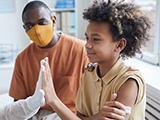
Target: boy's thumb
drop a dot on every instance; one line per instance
(114, 96)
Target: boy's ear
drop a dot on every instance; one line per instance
(121, 44)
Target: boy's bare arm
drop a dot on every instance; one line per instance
(127, 94)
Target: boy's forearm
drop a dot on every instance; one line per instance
(63, 112)
(83, 117)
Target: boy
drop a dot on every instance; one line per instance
(116, 30)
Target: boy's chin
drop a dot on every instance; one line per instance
(93, 60)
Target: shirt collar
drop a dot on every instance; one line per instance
(112, 73)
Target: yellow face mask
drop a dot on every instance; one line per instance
(41, 34)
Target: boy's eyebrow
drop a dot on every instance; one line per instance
(95, 34)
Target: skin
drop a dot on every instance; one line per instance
(40, 16)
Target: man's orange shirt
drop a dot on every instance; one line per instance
(66, 59)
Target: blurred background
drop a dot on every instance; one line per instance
(69, 20)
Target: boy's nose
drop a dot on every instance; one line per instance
(88, 45)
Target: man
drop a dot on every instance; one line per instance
(66, 55)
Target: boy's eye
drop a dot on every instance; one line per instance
(96, 39)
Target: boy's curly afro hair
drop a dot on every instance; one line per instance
(125, 20)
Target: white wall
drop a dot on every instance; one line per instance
(150, 72)
(11, 32)
(50, 3)
(81, 23)
(11, 26)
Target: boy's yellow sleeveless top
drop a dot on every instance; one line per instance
(94, 91)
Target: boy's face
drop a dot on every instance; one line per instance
(100, 46)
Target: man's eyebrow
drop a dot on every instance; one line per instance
(28, 23)
(43, 19)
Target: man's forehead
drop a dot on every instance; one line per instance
(37, 13)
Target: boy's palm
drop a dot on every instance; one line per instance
(48, 86)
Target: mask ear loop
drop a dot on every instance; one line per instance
(53, 16)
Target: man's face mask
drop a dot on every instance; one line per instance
(41, 34)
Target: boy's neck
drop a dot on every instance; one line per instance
(105, 67)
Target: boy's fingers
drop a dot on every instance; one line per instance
(48, 68)
(115, 104)
(118, 111)
(114, 96)
(114, 116)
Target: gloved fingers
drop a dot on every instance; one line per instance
(36, 101)
(41, 96)
(40, 78)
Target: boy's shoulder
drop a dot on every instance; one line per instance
(133, 73)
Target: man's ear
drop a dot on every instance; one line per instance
(121, 44)
(53, 17)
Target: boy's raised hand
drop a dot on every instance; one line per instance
(47, 83)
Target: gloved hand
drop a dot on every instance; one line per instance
(25, 108)
(38, 100)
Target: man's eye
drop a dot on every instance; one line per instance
(86, 38)
(27, 26)
(44, 22)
